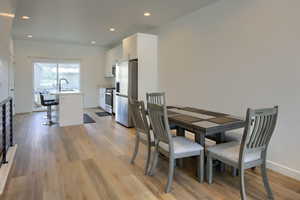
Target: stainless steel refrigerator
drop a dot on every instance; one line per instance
(126, 88)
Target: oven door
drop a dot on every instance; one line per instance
(108, 102)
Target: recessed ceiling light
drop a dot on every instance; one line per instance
(147, 14)
(25, 17)
(93, 42)
(29, 36)
(11, 15)
(112, 29)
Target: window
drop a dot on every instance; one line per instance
(48, 76)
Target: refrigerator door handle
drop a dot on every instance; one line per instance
(121, 95)
(118, 87)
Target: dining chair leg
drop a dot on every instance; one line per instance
(171, 174)
(200, 167)
(136, 148)
(242, 184)
(154, 162)
(209, 169)
(148, 159)
(266, 180)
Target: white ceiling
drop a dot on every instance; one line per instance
(81, 21)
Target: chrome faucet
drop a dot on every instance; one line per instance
(62, 79)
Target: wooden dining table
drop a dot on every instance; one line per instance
(203, 123)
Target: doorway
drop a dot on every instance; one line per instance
(52, 76)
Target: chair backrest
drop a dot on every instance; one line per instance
(260, 125)
(42, 98)
(156, 98)
(159, 122)
(138, 115)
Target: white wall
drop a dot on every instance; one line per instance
(236, 54)
(6, 52)
(92, 69)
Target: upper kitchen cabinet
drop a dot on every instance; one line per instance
(130, 47)
(112, 56)
(144, 48)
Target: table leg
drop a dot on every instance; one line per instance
(200, 139)
(220, 138)
(180, 132)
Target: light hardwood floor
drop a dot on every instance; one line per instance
(91, 162)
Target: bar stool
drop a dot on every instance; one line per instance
(48, 104)
(45, 92)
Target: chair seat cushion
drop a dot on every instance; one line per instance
(230, 151)
(50, 100)
(50, 103)
(183, 147)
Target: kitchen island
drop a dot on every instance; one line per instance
(70, 108)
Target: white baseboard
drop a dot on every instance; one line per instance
(284, 170)
(87, 107)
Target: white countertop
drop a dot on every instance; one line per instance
(66, 92)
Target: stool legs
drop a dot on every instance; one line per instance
(49, 117)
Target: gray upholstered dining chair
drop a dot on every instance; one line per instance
(252, 150)
(160, 99)
(236, 137)
(233, 136)
(156, 98)
(172, 147)
(143, 133)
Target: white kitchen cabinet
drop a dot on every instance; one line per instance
(112, 56)
(109, 63)
(102, 98)
(70, 108)
(130, 46)
(144, 48)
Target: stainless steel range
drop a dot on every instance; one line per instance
(109, 100)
